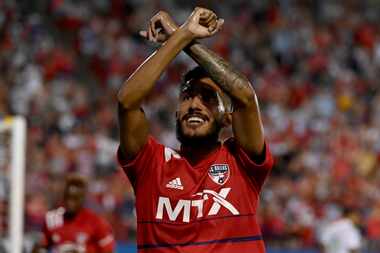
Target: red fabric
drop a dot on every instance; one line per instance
(373, 228)
(57, 62)
(86, 231)
(180, 224)
(365, 36)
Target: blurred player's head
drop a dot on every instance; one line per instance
(204, 109)
(74, 194)
(351, 214)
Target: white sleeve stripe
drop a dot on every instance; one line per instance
(106, 240)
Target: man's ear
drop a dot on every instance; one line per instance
(227, 119)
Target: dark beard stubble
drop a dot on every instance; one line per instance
(198, 141)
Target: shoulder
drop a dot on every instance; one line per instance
(89, 214)
(340, 227)
(151, 149)
(264, 160)
(349, 226)
(93, 217)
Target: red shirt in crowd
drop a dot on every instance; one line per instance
(210, 207)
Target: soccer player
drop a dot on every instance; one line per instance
(73, 228)
(202, 198)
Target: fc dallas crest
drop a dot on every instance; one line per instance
(219, 173)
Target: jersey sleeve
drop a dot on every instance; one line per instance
(143, 161)
(104, 237)
(258, 172)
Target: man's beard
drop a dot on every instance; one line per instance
(212, 136)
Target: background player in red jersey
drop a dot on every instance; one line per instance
(73, 228)
(202, 198)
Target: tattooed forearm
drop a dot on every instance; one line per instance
(229, 79)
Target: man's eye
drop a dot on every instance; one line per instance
(209, 98)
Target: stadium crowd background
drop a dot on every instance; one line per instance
(315, 66)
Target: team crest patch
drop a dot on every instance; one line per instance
(219, 173)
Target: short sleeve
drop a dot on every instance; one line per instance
(258, 172)
(104, 237)
(143, 161)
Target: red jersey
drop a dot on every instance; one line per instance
(210, 207)
(86, 232)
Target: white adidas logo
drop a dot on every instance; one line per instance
(175, 184)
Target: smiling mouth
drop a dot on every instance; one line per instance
(195, 119)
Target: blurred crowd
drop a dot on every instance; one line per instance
(315, 66)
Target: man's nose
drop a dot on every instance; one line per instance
(196, 102)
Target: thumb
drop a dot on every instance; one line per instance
(143, 34)
(221, 22)
(218, 27)
(197, 15)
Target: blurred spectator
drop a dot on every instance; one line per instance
(341, 235)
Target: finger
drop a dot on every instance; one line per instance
(218, 27)
(171, 27)
(213, 18)
(156, 23)
(153, 28)
(198, 14)
(150, 35)
(143, 34)
(210, 18)
(220, 23)
(213, 25)
(152, 32)
(161, 37)
(195, 13)
(205, 14)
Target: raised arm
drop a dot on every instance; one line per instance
(134, 126)
(246, 121)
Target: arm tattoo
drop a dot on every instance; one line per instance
(230, 80)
